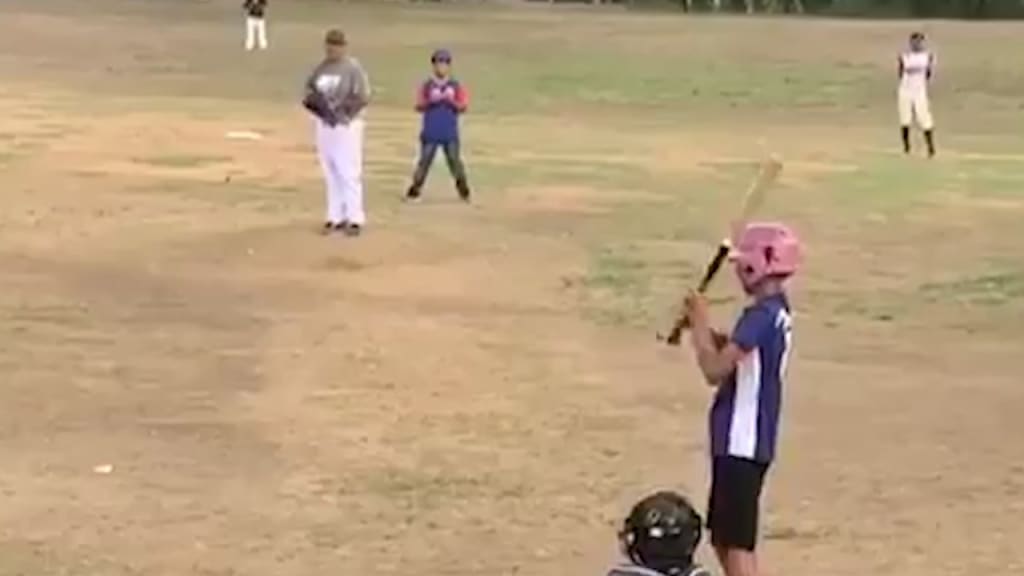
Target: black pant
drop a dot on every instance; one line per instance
(735, 502)
(451, 154)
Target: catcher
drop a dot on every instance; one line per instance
(747, 369)
(336, 93)
(659, 537)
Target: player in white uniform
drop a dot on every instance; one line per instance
(915, 70)
(255, 24)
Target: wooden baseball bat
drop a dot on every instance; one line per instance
(752, 200)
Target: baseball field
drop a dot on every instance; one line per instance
(193, 381)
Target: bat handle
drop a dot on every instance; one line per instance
(675, 336)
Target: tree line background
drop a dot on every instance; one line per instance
(878, 8)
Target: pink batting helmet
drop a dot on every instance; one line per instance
(763, 250)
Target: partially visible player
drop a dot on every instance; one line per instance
(747, 368)
(255, 24)
(916, 66)
(659, 537)
(441, 100)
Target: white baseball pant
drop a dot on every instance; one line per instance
(255, 33)
(914, 105)
(341, 156)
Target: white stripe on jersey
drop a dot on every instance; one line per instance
(746, 404)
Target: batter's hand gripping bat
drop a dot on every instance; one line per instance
(753, 199)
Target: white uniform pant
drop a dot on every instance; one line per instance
(341, 157)
(255, 33)
(914, 105)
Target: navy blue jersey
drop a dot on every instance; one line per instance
(744, 419)
(441, 101)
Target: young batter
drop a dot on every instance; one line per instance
(659, 537)
(441, 100)
(915, 70)
(747, 368)
(336, 93)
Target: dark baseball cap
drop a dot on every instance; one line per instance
(441, 55)
(335, 37)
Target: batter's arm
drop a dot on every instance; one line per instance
(716, 361)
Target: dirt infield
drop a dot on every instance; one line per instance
(472, 390)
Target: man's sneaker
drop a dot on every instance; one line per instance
(353, 230)
(341, 226)
(327, 228)
(412, 194)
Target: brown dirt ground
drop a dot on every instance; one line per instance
(428, 400)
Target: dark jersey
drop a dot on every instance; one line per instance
(255, 8)
(744, 419)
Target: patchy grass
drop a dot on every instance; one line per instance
(994, 289)
(182, 160)
(618, 287)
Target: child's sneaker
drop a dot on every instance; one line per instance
(463, 187)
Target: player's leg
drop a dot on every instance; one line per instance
(733, 513)
(427, 152)
(351, 164)
(261, 30)
(923, 113)
(250, 33)
(326, 142)
(457, 168)
(905, 105)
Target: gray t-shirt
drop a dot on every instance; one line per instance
(344, 85)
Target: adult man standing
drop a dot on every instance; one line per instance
(336, 93)
(255, 24)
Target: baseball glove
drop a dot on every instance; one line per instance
(318, 105)
(352, 105)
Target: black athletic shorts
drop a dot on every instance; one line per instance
(735, 501)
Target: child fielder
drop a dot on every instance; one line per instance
(441, 100)
(255, 24)
(915, 71)
(747, 370)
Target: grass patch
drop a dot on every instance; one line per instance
(994, 180)
(890, 184)
(617, 287)
(182, 160)
(994, 289)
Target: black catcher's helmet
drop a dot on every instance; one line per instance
(661, 533)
